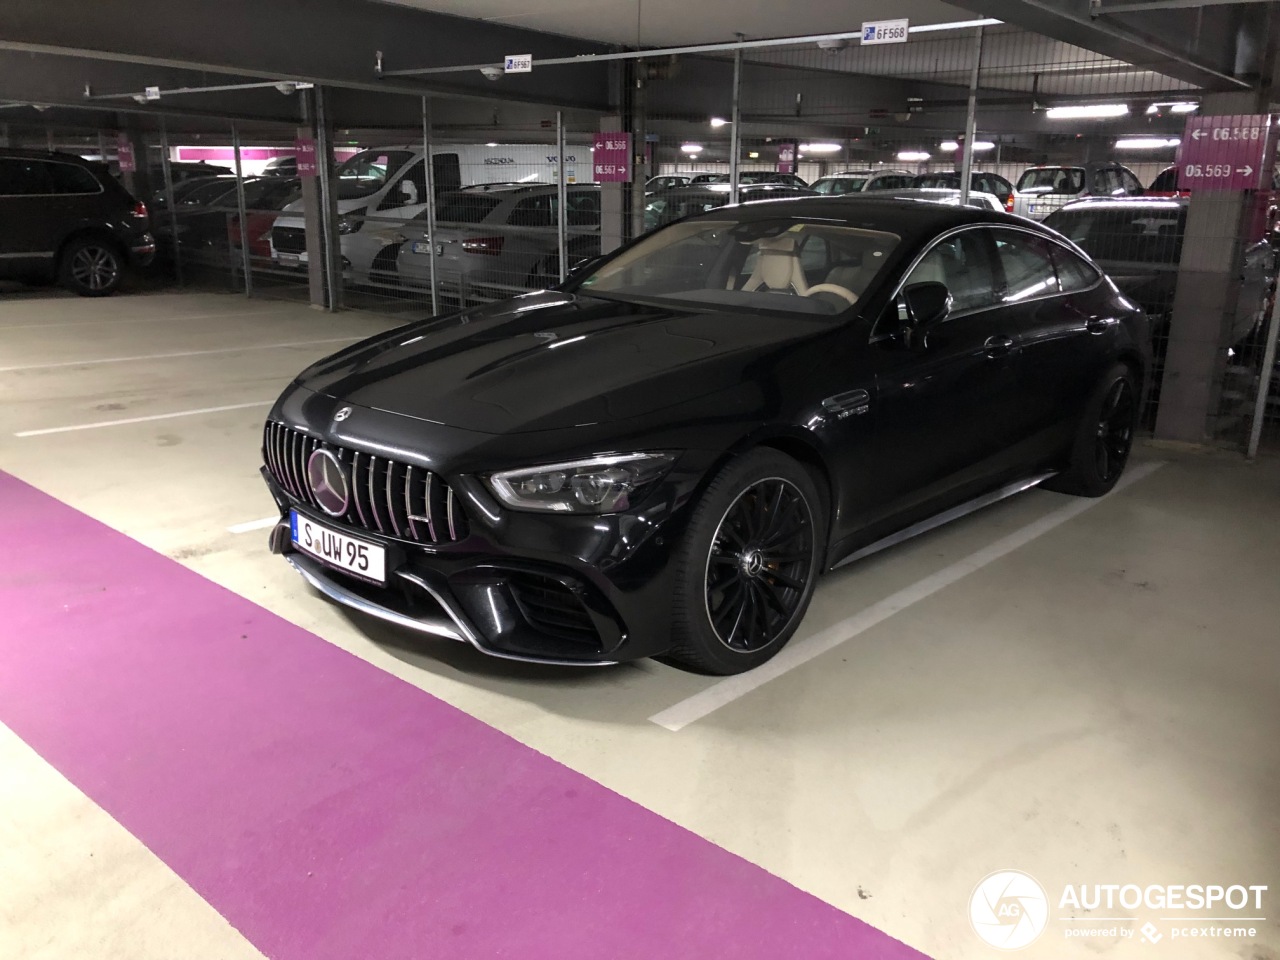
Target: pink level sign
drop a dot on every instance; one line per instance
(1225, 153)
(611, 157)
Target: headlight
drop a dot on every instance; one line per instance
(349, 225)
(605, 484)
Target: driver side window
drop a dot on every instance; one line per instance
(963, 262)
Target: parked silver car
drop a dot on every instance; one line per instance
(860, 181)
(1042, 190)
(496, 244)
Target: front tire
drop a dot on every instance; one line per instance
(748, 564)
(1104, 438)
(92, 267)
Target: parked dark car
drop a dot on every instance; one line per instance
(979, 180)
(1138, 242)
(65, 218)
(203, 214)
(752, 177)
(661, 456)
(669, 205)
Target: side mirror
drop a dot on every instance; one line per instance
(409, 190)
(926, 303)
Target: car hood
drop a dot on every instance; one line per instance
(548, 361)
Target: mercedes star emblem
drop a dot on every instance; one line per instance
(342, 415)
(328, 482)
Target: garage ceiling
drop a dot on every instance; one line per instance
(678, 22)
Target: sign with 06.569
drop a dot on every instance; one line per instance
(1225, 153)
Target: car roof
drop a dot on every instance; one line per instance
(44, 155)
(865, 173)
(906, 217)
(1127, 203)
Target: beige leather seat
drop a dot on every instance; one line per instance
(778, 268)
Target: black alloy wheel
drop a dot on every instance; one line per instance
(92, 267)
(747, 564)
(759, 565)
(1115, 431)
(1104, 438)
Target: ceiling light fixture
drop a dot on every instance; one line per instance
(820, 148)
(1088, 111)
(691, 148)
(718, 122)
(979, 146)
(1147, 143)
(913, 156)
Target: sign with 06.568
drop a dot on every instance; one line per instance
(1225, 153)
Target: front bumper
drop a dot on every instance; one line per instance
(555, 589)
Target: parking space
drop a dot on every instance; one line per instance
(1001, 692)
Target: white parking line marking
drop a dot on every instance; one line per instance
(114, 322)
(799, 652)
(186, 353)
(156, 416)
(252, 525)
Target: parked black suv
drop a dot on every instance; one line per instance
(64, 218)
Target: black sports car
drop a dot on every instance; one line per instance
(663, 455)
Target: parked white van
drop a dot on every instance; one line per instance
(381, 188)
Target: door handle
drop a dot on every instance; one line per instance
(998, 346)
(1098, 324)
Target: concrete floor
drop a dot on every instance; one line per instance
(1085, 691)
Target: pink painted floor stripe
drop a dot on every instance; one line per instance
(330, 810)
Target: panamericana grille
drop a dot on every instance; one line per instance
(289, 239)
(388, 497)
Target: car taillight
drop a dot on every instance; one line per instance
(140, 210)
(491, 246)
(1008, 204)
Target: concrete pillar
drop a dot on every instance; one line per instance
(311, 214)
(1205, 302)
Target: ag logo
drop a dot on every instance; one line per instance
(1009, 909)
(342, 414)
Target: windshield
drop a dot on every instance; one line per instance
(366, 173)
(777, 265)
(1149, 234)
(1064, 180)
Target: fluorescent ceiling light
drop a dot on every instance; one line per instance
(820, 147)
(979, 146)
(1088, 111)
(913, 155)
(691, 148)
(718, 122)
(1147, 143)
(955, 25)
(1187, 107)
(490, 144)
(753, 155)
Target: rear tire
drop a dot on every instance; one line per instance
(91, 266)
(747, 566)
(1104, 438)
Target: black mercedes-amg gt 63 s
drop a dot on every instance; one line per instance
(662, 456)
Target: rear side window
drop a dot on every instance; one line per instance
(1074, 274)
(532, 212)
(68, 178)
(465, 208)
(1027, 264)
(1060, 180)
(1166, 182)
(21, 177)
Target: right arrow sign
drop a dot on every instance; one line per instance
(1224, 153)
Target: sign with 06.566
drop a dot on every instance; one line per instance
(1224, 153)
(884, 31)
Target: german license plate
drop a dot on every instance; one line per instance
(421, 247)
(289, 259)
(364, 559)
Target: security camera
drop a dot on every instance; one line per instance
(139, 98)
(287, 87)
(832, 45)
(492, 73)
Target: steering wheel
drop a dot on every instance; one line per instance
(835, 288)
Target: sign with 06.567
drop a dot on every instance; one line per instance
(1225, 153)
(884, 31)
(611, 157)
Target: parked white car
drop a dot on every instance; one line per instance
(378, 190)
(1042, 190)
(949, 196)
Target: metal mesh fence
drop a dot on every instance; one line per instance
(1090, 145)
